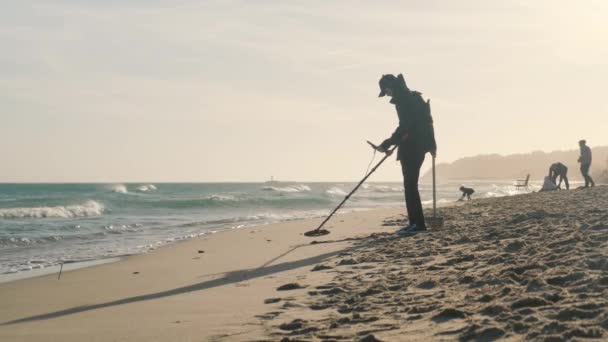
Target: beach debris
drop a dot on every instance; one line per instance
(60, 270)
(136, 272)
(200, 251)
(290, 286)
(271, 300)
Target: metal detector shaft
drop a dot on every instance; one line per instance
(355, 189)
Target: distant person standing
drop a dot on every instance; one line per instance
(466, 192)
(415, 137)
(585, 160)
(561, 170)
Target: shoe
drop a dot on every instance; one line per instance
(411, 229)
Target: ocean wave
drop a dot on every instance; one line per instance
(25, 241)
(335, 191)
(123, 228)
(290, 188)
(224, 198)
(89, 208)
(119, 188)
(146, 188)
(383, 188)
(509, 190)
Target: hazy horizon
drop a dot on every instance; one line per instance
(238, 91)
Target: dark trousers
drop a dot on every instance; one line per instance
(585, 172)
(562, 177)
(410, 167)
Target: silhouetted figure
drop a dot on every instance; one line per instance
(561, 170)
(585, 160)
(466, 192)
(415, 137)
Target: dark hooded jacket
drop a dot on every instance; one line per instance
(415, 133)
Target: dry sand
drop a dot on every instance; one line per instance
(515, 268)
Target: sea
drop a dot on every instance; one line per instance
(46, 225)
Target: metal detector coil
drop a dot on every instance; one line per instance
(317, 232)
(320, 231)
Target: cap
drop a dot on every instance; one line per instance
(387, 80)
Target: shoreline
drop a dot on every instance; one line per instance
(74, 265)
(232, 273)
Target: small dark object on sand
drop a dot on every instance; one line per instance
(135, 272)
(200, 251)
(272, 300)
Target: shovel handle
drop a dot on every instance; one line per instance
(434, 192)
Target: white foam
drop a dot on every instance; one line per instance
(146, 188)
(89, 208)
(216, 197)
(291, 188)
(119, 188)
(384, 188)
(335, 191)
(508, 190)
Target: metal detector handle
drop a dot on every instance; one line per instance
(388, 154)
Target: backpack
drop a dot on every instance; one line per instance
(422, 108)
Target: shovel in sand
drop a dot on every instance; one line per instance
(435, 222)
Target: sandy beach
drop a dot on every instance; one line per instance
(527, 267)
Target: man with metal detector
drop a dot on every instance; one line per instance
(415, 137)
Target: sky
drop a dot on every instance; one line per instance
(242, 90)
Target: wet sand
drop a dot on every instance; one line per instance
(528, 267)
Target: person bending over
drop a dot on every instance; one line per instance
(466, 192)
(561, 170)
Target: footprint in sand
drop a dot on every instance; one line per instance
(448, 314)
(290, 286)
